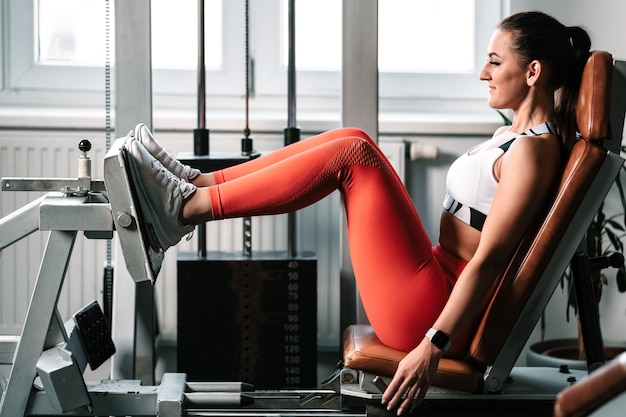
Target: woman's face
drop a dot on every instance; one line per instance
(503, 73)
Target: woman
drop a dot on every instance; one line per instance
(493, 193)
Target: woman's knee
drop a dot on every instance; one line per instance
(343, 133)
(353, 146)
(356, 133)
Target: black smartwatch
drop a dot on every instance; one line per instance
(439, 339)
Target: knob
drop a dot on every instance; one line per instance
(616, 259)
(84, 145)
(611, 259)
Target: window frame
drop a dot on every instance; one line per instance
(3, 36)
(23, 74)
(272, 78)
(450, 86)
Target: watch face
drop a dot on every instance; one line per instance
(440, 339)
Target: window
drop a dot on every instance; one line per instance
(425, 37)
(414, 36)
(62, 44)
(66, 32)
(442, 46)
(426, 49)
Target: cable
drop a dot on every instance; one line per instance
(107, 73)
(246, 131)
(107, 290)
(291, 132)
(246, 141)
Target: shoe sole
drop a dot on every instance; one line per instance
(139, 194)
(142, 262)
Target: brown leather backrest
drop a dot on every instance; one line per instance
(584, 161)
(592, 109)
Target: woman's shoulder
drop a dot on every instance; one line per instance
(545, 142)
(540, 137)
(541, 150)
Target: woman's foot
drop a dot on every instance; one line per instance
(160, 194)
(146, 138)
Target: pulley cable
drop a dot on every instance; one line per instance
(246, 141)
(107, 289)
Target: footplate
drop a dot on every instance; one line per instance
(142, 262)
(95, 334)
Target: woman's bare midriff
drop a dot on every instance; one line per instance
(456, 237)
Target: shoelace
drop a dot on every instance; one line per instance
(169, 160)
(166, 176)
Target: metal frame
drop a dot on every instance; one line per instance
(46, 348)
(135, 338)
(359, 107)
(63, 215)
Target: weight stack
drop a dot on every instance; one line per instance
(248, 319)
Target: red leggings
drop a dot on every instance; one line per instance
(403, 281)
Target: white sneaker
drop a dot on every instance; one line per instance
(182, 171)
(160, 194)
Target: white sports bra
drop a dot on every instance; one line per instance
(471, 184)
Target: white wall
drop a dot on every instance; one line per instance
(604, 19)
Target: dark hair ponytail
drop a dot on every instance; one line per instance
(565, 111)
(562, 50)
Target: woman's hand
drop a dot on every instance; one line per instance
(413, 377)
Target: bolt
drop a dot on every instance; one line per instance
(124, 219)
(348, 378)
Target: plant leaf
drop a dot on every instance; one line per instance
(505, 119)
(615, 224)
(621, 279)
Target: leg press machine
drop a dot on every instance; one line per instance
(48, 360)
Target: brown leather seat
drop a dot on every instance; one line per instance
(495, 341)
